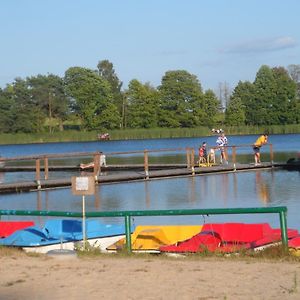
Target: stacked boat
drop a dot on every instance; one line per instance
(64, 234)
(213, 237)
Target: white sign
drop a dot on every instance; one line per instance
(82, 183)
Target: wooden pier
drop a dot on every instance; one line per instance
(127, 173)
(113, 173)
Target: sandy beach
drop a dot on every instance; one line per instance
(146, 277)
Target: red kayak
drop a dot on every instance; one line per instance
(229, 237)
(9, 227)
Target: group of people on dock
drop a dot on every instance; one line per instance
(206, 158)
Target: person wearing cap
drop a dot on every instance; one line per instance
(222, 142)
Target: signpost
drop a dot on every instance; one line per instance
(83, 185)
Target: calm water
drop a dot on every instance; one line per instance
(241, 189)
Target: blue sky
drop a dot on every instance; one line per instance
(216, 40)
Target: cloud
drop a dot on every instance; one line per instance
(262, 45)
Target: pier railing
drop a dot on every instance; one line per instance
(41, 162)
(281, 210)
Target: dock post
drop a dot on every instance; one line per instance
(188, 158)
(38, 173)
(193, 161)
(271, 154)
(146, 164)
(96, 166)
(234, 157)
(46, 168)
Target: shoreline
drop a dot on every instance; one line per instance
(146, 277)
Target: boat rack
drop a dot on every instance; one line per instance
(281, 210)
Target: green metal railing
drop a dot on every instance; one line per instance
(281, 210)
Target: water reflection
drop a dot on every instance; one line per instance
(2, 177)
(262, 188)
(240, 189)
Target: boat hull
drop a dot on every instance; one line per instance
(149, 238)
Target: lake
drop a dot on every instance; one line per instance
(261, 188)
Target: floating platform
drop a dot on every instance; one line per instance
(124, 173)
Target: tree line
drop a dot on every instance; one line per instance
(94, 100)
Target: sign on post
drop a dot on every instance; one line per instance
(83, 185)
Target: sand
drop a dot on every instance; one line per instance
(149, 277)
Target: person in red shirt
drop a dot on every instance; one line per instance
(202, 153)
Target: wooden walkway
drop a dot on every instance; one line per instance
(124, 173)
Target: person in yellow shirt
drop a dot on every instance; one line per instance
(262, 140)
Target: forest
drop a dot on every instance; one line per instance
(88, 100)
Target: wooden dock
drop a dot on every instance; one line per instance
(123, 173)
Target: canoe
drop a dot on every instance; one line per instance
(64, 234)
(149, 238)
(9, 227)
(229, 237)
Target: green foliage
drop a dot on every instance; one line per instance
(235, 112)
(142, 103)
(107, 72)
(92, 97)
(92, 100)
(181, 99)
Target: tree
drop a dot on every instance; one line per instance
(264, 95)
(181, 100)
(48, 93)
(27, 116)
(294, 71)
(235, 112)
(245, 92)
(92, 98)
(211, 107)
(142, 102)
(107, 72)
(6, 114)
(284, 105)
(224, 94)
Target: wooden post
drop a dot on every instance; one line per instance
(193, 161)
(38, 172)
(188, 158)
(234, 157)
(271, 154)
(46, 167)
(146, 164)
(96, 165)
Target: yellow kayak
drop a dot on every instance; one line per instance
(151, 237)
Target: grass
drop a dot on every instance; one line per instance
(153, 133)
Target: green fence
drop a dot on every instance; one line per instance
(281, 210)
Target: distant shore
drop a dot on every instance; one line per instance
(134, 134)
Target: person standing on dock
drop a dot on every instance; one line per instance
(262, 140)
(202, 154)
(222, 143)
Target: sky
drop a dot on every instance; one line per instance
(219, 41)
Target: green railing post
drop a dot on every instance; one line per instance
(283, 227)
(128, 233)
